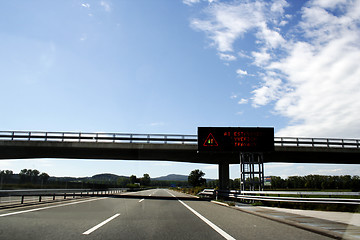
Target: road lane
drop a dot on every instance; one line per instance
(149, 219)
(143, 218)
(155, 219)
(247, 226)
(63, 222)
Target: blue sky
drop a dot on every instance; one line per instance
(170, 66)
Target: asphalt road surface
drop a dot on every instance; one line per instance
(149, 214)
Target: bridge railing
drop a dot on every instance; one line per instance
(97, 137)
(162, 138)
(316, 142)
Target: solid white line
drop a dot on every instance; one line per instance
(100, 224)
(208, 222)
(216, 228)
(171, 194)
(142, 200)
(43, 208)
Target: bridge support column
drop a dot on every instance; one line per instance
(224, 176)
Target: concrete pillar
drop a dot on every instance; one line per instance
(224, 176)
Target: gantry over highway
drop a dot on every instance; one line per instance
(180, 148)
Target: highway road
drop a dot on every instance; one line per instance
(149, 214)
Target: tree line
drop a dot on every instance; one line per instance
(25, 176)
(317, 182)
(134, 181)
(309, 182)
(195, 179)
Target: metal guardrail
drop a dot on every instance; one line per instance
(301, 193)
(162, 138)
(16, 197)
(252, 195)
(32, 192)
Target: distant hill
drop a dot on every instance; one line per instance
(176, 177)
(106, 177)
(109, 177)
(171, 177)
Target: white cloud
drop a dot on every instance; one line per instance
(228, 22)
(310, 73)
(105, 5)
(283, 23)
(233, 96)
(329, 4)
(243, 101)
(272, 38)
(83, 37)
(85, 5)
(278, 6)
(241, 72)
(324, 75)
(261, 58)
(270, 90)
(190, 2)
(243, 55)
(227, 57)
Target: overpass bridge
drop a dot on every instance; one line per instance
(180, 148)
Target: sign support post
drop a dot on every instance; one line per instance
(251, 171)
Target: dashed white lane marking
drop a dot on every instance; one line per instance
(208, 222)
(101, 224)
(43, 208)
(142, 200)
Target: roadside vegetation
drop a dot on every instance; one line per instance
(196, 183)
(306, 183)
(33, 178)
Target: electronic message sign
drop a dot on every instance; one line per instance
(235, 139)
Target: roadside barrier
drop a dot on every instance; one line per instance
(275, 196)
(10, 198)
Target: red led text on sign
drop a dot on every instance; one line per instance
(243, 139)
